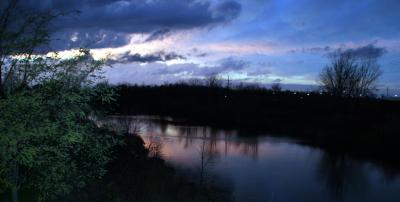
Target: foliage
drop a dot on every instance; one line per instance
(136, 176)
(46, 134)
(48, 143)
(350, 76)
(21, 34)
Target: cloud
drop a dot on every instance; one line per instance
(277, 80)
(233, 64)
(369, 51)
(258, 72)
(195, 70)
(315, 49)
(160, 56)
(158, 35)
(195, 52)
(320, 22)
(108, 23)
(88, 38)
(226, 65)
(241, 48)
(228, 10)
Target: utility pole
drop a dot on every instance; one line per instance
(387, 91)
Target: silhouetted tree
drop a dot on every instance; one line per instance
(195, 82)
(214, 81)
(349, 75)
(248, 86)
(21, 33)
(276, 87)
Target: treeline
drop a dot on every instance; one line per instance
(315, 115)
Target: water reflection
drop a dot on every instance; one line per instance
(214, 142)
(261, 168)
(342, 175)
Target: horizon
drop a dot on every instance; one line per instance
(379, 92)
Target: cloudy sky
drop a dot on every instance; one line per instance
(265, 41)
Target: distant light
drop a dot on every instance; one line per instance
(294, 93)
(226, 96)
(396, 95)
(360, 95)
(308, 94)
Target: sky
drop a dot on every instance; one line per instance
(262, 41)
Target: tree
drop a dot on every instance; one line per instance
(21, 33)
(214, 81)
(349, 75)
(48, 143)
(276, 87)
(195, 82)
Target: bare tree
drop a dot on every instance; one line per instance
(195, 82)
(214, 81)
(349, 75)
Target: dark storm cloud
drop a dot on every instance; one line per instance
(108, 22)
(127, 57)
(89, 38)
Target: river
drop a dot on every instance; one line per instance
(261, 167)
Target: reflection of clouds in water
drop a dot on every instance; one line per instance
(262, 168)
(182, 142)
(216, 142)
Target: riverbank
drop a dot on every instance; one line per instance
(364, 126)
(137, 175)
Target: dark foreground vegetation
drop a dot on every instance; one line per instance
(365, 125)
(136, 175)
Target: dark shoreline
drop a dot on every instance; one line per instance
(135, 175)
(363, 127)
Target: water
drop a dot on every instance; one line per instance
(264, 168)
